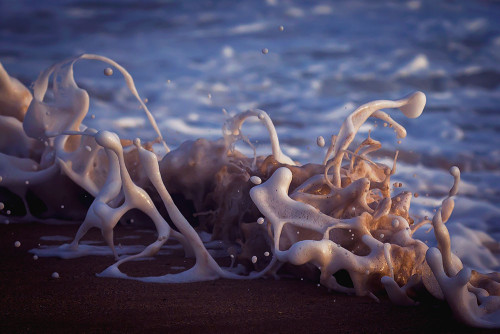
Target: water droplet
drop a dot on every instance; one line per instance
(35, 257)
(231, 256)
(62, 206)
(27, 182)
(8, 212)
(266, 253)
(260, 221)
(281, 28)
(55, 274)
(265, 51)
(256, 180)
(17, 244)
(254, 259)
(108, 71)
(2, 206)
(320, 141)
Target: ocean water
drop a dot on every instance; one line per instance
(191, 59)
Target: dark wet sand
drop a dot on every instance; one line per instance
(32, 301)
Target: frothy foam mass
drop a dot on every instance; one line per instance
(322, 219)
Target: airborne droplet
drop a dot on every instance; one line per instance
(108, 71)
(256, 180)
(320, 141)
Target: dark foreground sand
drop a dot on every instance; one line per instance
(32, 301)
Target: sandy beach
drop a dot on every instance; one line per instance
(79, 302)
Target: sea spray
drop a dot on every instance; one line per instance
(329, 217)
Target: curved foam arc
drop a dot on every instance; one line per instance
(66, 114)
(411, 106)
(130, 84)
(232, 127)
(67, 83)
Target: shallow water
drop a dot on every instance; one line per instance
(191, 59)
